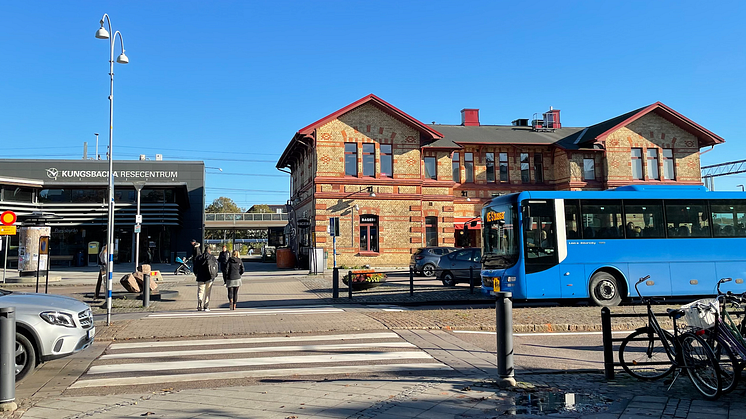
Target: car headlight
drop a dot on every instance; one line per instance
(57, 318)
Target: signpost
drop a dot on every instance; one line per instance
(334, 232)
(43, 261)
(7, 219)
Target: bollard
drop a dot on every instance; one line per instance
(471, 280)
(7, 359)
(335, 283)
(608, 349)
(349, 285)
(504, 312)
(411, 282)
(146, 290)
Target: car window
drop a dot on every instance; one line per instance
(463, 256)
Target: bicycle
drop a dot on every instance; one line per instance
(650, 353)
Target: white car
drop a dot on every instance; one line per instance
(47, 327)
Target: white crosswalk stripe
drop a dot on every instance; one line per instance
(259, 311)
(179, 361)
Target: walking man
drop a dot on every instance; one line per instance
(223, 260)
(206, 270)
(103, 256)
(195, 249)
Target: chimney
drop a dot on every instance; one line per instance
(552, 118)
(470, 117)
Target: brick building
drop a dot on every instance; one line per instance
(397, 184)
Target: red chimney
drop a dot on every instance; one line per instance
(552, 118)
(470, 117)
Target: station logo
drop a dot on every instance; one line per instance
(52, 173)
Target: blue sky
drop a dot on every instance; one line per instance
(230, 82)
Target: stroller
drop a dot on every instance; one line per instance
(184, 267)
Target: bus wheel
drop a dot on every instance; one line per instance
(605, 290)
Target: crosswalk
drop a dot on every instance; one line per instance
(259, 311)
(148, 363)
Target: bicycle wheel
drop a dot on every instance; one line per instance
(643, 355)
(730, 368)
(701, 365)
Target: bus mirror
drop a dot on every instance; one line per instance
(474, 223)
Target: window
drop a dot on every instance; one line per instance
(525, 176)
(430, 168)
(387, 160)
(643, 219)
(350, 159)
(540, 236)
(602, 219)
(18, 194)
(369, 160)
(728, 218)
(572, 219)
(469, 167)
(456, 167)
(368, 233)
(503, 167)
(55, 195)
(652, 164)
(637, 163)
(687, 219)
(431, 231)
(539, 167)
(90, 195)
(668, 165)
(589, 169)
(489, 159)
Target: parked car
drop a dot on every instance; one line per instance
(47, 327)
(424, 259)
(454, 267)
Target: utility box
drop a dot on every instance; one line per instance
(316, 261)
(93, 251)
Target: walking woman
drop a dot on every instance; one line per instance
(233, 273)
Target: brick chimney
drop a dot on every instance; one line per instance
(470, 117)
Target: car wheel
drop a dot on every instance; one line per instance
(448, 279)
(25, 357)
(428, 270)
(604, 290)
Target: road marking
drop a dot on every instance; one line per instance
(247, 312)
(232, 375)
(246, 362)
(543, 333)
(238, 341)
(316, 348)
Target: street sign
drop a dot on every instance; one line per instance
(334, 226)
(137, 228)
(8, 218)
(138, 218)
(7, 230)
(44, 245)
(304, 223)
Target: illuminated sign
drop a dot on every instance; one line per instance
(493, 216)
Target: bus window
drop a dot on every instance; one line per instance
(500, 236)
(602, 219)
(728, 218)
(572, 219)
(540, 236)
(687, 219)
(643, 219)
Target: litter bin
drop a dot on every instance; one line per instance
(93, 252)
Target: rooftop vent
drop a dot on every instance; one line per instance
(520, 122)
(549, 122)
(470, 117)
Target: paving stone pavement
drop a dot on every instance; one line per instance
(473, 393)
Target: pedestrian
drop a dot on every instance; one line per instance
(251, 251)
(233, 278)
(103, 256)
(206, 270)
(223, 260)
(195, 249)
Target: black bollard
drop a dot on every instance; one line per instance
(7, 359)
(349, 285)
(608, 349)
(146, 290)
(335, 283)
(505, 366)
(411, 282)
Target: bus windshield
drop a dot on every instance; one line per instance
(500, 236)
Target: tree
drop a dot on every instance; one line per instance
(260, 208)
(223, 205)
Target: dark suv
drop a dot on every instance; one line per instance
(423, 261)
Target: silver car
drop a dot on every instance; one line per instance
(47, 327)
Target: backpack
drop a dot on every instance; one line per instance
(212, 267)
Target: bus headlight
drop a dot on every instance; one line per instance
(510, 279)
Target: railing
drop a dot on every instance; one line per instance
(394, 281)
(243, 216)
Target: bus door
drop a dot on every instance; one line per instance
(573, 282)
(540, 249)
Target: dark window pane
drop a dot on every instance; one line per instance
(503, 167)
(369, 160)
(387, 160)
(469, 167)
(687, 219)
(525, 176)
(456, 167)
(55, 195)
(430, 168)
(572, 219)
(728, 218)
(602, 220)
(539, 168)
(644, 219)
(18, 194)
(350, 159)
(490, 163)
(431, 231)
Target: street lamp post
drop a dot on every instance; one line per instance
(122, 59)
(138, 223)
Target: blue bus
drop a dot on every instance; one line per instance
(594, 245)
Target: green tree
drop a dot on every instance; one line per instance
(260, 208)
(223, 205)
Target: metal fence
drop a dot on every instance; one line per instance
(364, 281)
(243, 216)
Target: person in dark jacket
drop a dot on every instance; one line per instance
(103, 270)
(223, 260)
(196, 251)
(233, 273)
(204, 278)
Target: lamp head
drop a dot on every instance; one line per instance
(102, 33)
(357, 208)
(122, 59)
